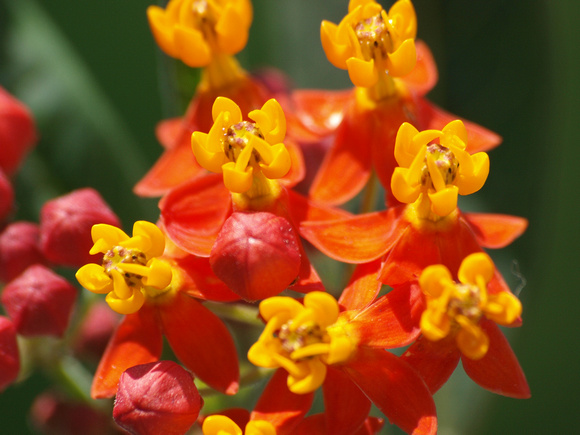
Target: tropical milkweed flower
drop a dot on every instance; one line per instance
(198, 31)
(156, 288)
(202, 33)
(370, 43)
(460, 322)
(391, 72)
(439, 171)
(243, 150)
(317, 345)
(430, 229)
(245, 217)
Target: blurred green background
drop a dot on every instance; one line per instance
(97, 86)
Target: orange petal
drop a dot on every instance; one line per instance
(435, 361)
(392, 320)
(386, 380)
(193, 213)
(303, 210)
(430, 116)
(347, 166)
(346, 407)
(359, 239)
(424, 76)
(495, 230)
(363, 286)
(280, 406)
(499, 370)
(175, 166)
(201, 342)
(137, 340)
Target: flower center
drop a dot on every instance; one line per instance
(465, 301)
(305, 335)
(237, 138)
(118, 256)
(441, 159)
(374, 38)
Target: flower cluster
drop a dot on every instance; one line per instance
(243, 211)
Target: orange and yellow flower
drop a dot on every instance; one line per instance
(317, 345)
(156, 288)
(460, 322)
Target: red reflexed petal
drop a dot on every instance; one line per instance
(424, 76)
(395, 388)
(346, 406)
(392, 320)
(388, 119)
(201, 282)
(321, 111)
(359, 239)
(363, 286)
(201, 342)
(298, 169)
(168, 131)
(499, 370)
(278, 405)
(312, 425)
(194, 213)
(175, 166)
(479, 138)
(495, 230)
(302, 209)
(347, 166)
(435, 361)
(137, 340)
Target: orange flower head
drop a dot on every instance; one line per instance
(222, 425)
(371, 43)
(196, 31)
(249, 154)
(436, 172)
(457, 307)
(302, 338)
(131, 269)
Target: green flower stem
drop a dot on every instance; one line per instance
(236, 312)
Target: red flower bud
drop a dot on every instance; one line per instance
(39, 302)
(256, 254)
(96, 330)
(65, 227)
(51, 414)
(157, 398)
(17, 132)
(19, 248)
(9, 357)
(6, 196)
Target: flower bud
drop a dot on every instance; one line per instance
(96, 330)
(39, 302)
(19, 248)
(17, 132)
(65, 227)
(256, 254)
(52, 414)
(155, 398)
(9, 357)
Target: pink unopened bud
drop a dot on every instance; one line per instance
(157, 398)
(9, 357)
(256, 254)
(65, 226)
(39, 302)
(96, 330)
(52, 414)
(17, 132)
(19, 248)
